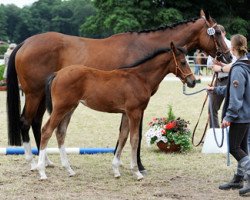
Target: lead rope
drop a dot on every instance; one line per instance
(203, 105)
(212, 121)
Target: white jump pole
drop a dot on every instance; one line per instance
(75, 150)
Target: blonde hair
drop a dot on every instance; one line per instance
(239, 42)
(221, 28)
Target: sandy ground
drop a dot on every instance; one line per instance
(193, 175)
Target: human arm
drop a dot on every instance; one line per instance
(220, 90)
(236, 97)
(221, 67)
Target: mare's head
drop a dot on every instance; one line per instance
(211, 39)
(180, 67)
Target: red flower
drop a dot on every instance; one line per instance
(170, 125)
(163, 131)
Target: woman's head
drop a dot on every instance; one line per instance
(239, 45)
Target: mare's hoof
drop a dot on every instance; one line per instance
(50, 165)
(144, 172)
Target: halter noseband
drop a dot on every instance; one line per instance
(177, 67)
(211, 32)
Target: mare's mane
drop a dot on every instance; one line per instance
(165, 27)
(150, 56)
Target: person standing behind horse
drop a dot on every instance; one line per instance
(6, 61)
(198, 62)
(221, 80)
(236, 113)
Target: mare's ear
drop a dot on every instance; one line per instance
(204, 13)
(173, 47)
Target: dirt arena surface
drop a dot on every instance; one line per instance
(187, 176)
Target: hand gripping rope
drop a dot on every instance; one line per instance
(212, 121)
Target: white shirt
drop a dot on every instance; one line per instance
(210, 60)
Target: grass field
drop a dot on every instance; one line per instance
(192, 175)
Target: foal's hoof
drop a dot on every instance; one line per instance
(140, 177)
(117, 175)
(33, 168)
(42, 178)
(71, 174)
(137, 175)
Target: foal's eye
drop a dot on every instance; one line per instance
(183, 62)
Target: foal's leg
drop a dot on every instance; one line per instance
(140, 166)
(60, 135)
(134, 124)
(124, 130)
(47, 131)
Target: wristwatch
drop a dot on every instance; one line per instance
(221, 69)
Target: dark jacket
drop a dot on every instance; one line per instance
(237, 102)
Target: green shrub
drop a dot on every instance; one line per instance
(3, 49)
(1, 71)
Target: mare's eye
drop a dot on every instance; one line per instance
(217, 32)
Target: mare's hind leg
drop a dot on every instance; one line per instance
(60, 135)
(29, 112)
(134, 126)
(124, 130)
(36, 127)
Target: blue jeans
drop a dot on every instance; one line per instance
(248, 140)
(197, 69)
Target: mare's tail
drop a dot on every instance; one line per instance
(13, 102)
(48, 92)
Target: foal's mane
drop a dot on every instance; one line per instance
(150, 56)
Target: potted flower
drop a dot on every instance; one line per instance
(171, 134)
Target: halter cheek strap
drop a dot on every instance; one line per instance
(211, 32)
(177, 67)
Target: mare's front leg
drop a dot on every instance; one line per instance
(123, 135)
(134, 124)
(60, 135)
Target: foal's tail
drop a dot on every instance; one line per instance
(13, 102)
(48, 92)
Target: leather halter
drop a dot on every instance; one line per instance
(219, 53)
(178, 68)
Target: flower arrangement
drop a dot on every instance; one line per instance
(170, 130)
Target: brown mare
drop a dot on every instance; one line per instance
(41, 55)
(126, 90)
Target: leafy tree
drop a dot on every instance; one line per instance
(3, 24)
(120, 16)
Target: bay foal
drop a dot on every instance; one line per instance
(126, 90)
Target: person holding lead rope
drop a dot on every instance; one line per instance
(236, 113)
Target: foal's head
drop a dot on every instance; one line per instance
(180, 67)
